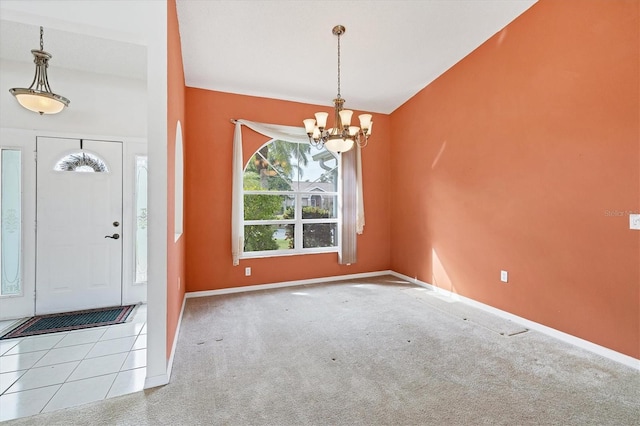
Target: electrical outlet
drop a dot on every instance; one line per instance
(634, 221)
(504, 276)
(247, 271)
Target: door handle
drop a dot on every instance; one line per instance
(114, 236)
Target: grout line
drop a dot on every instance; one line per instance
(37, 387)
(49, 400)
(14, 382)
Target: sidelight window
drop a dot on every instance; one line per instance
(10, 222)
(141, 220)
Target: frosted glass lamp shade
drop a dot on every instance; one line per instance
(38, 101)
(365, 121)
(321, 117)
(339, 145)
(345, 117)
(309, 125)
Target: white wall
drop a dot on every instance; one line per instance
(158, 367)
(100, 104)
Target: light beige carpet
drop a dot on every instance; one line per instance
(366, 352)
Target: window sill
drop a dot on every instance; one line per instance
(286, 254)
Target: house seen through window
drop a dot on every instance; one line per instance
(290, 200)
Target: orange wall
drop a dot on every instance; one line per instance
(175, 112)
(209, 143)
(518, 158)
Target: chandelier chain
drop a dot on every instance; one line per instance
(41, 42)
(338, 65)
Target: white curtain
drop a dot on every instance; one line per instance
(348, 253)
(275, 131)
(284, 133)
(359, 193)
(237, 199)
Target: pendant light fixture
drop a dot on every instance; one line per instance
(343, 136)
(39, 97)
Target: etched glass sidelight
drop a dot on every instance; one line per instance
(141, 220)
(11, 222)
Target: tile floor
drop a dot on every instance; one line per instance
(59, 370)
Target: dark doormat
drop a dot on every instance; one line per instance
(43, 324)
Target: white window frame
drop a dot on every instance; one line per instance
(298, 222)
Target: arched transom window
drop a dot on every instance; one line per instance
(84, 162)
(290, 200)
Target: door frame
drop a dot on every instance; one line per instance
(48, 184)
(21, 306)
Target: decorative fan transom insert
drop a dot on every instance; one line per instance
(83, 162)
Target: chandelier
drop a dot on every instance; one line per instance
(39, 97)
(343, 136)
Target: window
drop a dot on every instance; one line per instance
(83, 162)
(11, 222)
(179, 183)
(290, 200)
(141, 220)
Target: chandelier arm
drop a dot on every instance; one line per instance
(316, 143)
(39, 75)
(35, 76)
(40, 72)
(45, 78)
(360, 142)
(336, 119)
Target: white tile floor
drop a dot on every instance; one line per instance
(45, 373)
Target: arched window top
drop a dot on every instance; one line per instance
(83, 162)
(291, 166)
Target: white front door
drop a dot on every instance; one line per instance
(79, 224)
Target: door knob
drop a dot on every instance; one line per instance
(116, 224)
(114, 236)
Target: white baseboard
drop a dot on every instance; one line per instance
(175, 339)
(163, 379)
(155, 381)
(568, 338)
(284, 284)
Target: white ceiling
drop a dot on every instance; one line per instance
(276, 48)
(102, 36)
(285, 49)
